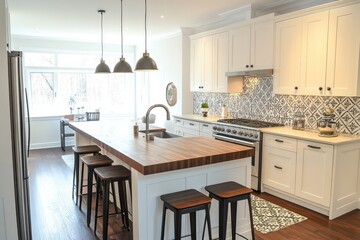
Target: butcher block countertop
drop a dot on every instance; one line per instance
(158, 155)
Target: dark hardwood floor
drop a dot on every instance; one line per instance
(53, 212)
(55, 216)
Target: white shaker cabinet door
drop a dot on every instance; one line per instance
(314, 171)
(287, 56)
(343, 51)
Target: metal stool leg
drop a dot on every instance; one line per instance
(105, 208)
(163, 223)
(233, 219)
(251, 217)
(81, 184)
(223, 213)
(193, 225)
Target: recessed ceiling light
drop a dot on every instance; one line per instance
(162, 16)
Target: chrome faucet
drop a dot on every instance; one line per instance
(148, 114)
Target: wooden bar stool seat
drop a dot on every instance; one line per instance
(105, 176)
(92, 162)
(79, 150)
(187, 201)
(230, 192)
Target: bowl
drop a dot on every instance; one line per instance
(327, 128)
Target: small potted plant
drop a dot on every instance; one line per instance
(204, 108)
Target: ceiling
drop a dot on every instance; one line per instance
(79, 20)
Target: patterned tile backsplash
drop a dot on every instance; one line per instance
(258, 102)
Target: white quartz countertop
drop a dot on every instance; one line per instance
(311, 135)
(198, 117)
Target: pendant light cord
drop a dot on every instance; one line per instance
(102, 38)
(145, 27)
(122, 49)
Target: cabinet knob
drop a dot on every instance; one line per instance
(296, 88)
(328, 88)
(251, 65)
(201, 87)
(247, 66)
(320, 88)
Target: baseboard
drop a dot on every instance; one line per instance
(33, 146)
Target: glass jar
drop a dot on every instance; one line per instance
(298, 121)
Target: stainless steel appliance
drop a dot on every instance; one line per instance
(20, 137)
(244, 132)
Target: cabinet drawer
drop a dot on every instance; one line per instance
(279, 167)
(281, 142)
(193, 125)
(178, 122)
(206, 128)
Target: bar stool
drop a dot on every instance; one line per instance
(225, 193)
(79, 150)
(187, 201)
(92, 162)
(107, 175)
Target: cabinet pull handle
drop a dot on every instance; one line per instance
(205, 125)
(277, 167)
(315, 147)
(191, 124)
(278, 140)
(201, 87)
(178, 121)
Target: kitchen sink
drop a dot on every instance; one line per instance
(163, 135)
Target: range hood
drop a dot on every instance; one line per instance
(260, 72)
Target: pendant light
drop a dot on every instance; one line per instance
(102, 67)
(122, 66)
(146, 62)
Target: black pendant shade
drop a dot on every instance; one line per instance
(145, 63)
(102, 67)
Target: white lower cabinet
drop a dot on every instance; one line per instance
(192, 128)
(322, 177)
(279, 169)
(313, 171)
(302, 168)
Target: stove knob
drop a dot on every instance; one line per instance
(228, 130)
(241, 133)
(222, 129)
(251, 135)
(256, 135)
(246, 134)
(215, 128)
(234, 131)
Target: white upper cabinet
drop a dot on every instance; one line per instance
(251, 46)
(313, 53)
(318, 54)
(209, 62)
(201, 64)
(287, 56)
(344, 51)
(220, 61)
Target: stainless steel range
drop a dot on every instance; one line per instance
(245, 132)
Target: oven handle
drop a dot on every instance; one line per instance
(238, 141)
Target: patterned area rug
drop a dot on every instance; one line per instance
(269, 217)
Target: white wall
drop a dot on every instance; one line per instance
(172, 56)
(8, 227)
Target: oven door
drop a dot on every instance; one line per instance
(255, 159)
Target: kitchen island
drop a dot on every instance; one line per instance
(162, 166)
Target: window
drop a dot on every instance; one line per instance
(60, 84)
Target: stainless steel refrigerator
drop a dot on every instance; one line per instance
(20, 137)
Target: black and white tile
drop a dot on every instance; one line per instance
(258, 102)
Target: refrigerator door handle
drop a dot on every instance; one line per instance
(28, 122)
